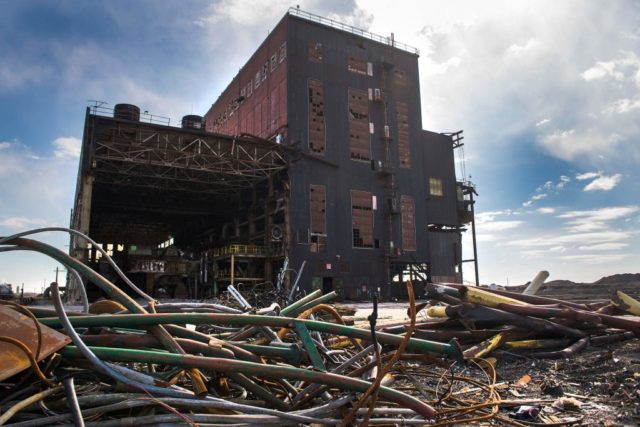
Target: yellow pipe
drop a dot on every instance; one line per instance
(535, 344)
(625, 303)
(474, 295)
(437, 311)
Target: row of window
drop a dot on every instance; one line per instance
(261, 75)
(355, 64)
(363, 204)
(360, 128)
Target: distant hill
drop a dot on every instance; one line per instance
(620, 278)
(599, 290)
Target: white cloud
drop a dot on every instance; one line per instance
(498, 225)
(572, 144)
(551, 240)
(516, 50)
(542, 122)
(4, 145)
(622, 106)
(67, 147)
(489, 216)
(546, 210)
(593, 259)
(22, 223)
(534, 199)
(604, 247)
(604, 183)
(587, 175)
(596, 219)
(602, 214)
(602, 69)
(564, 180)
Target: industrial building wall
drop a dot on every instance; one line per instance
(439, 174)
(329, 72)
(255, 102)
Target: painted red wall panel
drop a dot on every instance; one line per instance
(261, 101)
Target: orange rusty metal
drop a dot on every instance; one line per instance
(20, 327)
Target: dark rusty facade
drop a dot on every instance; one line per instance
(366, 195)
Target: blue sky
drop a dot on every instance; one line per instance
(547, 92)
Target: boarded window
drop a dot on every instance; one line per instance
(317, 206)
(316, 117)
(357, 65)
(362, 219)
(402, 112)
(435, 187)
(408, 223)
(399, 77)
(359, 125)
(317, 218)
(315, 52)
(282, 52)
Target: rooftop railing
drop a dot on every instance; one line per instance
(102, 110)
(353, 30)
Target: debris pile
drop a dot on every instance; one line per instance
(124, 361)
(485, 320)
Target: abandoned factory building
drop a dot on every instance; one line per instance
(314, 153)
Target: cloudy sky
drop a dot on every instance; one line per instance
(547, 92)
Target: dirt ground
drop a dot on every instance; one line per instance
(598, 387)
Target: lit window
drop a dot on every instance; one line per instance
(435, 187)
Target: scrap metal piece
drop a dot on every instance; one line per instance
(18, 326)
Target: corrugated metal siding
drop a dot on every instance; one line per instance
(441, 210)
(445, 252)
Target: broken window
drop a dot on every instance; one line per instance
(357, 65)
(256, 80)
(435, 187)
(359, 125)
(316, 117)
(402, 114)
(249, 89)
(408, 223)
(274, 61)
(317, 218)
(283, 52)
(362, 219)
(315, 52)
